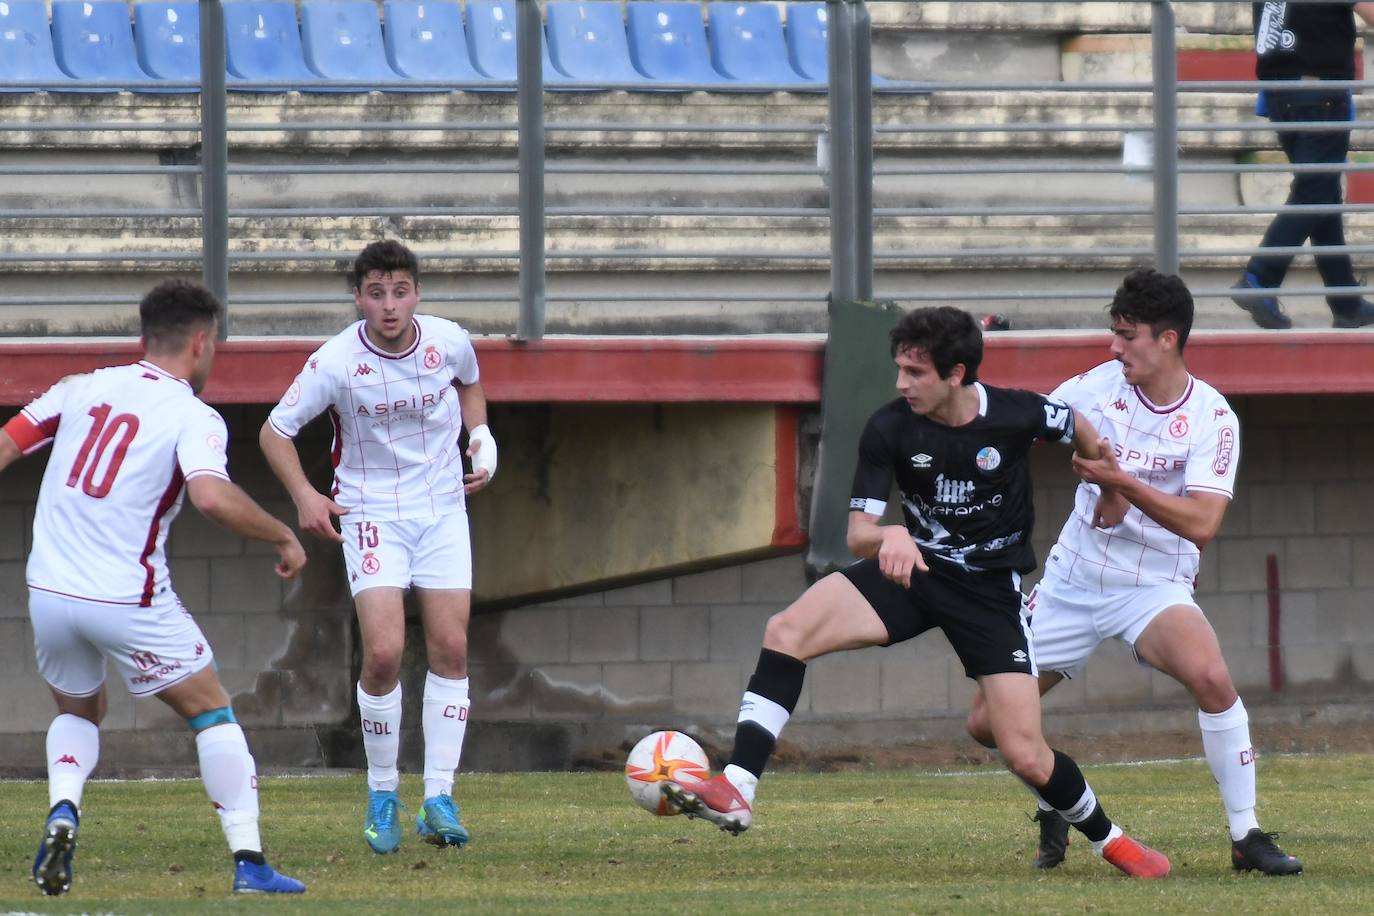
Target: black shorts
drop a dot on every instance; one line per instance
(980, 613)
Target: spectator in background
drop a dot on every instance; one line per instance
(1309, 42)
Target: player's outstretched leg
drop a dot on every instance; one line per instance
(1054, 838)
(727, 798)
(383, 828)
(438, 822)
(52, 867)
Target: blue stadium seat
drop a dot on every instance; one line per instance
(425, 40)
(26, 52)
(668, 42)
(167, 38)
(491, 39)
(263, 41)
(587, 41)
(747, 45)
(343, 41)
(808, 30)
(94, 40)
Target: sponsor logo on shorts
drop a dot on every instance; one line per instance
(145, 660)
(157, 674)
(1019, 656)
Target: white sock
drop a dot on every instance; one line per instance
(747, 783)
(445, 721)
(73, 750)
(1099, 845)
(381, 720)
(231, 781)
(1226, 742)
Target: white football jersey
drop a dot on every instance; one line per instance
(1190, 445)
(125, 439)
(396, 419)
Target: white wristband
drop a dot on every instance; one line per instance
(484, 458)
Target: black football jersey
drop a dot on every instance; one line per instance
(966, 490)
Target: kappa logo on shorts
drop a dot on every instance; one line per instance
(371, 565)
(200, 649)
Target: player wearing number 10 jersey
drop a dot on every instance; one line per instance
(127, 443)
(398, 388)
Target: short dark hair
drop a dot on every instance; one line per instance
(949, 336)
(1160, 300)
(387, 256)
(172, 310)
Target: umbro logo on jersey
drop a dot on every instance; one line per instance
(952, 492)
(920, 461)
(1121, 405)
(363, 369)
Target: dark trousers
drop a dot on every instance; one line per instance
(1290, 230)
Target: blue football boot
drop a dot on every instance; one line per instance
(383, 830)
(252, 878)
(52, 867)
(438, 822)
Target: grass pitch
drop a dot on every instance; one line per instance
(883, 841)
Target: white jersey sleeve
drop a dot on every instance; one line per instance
(1215, 459)
(45, 414)
(461, 356)
(201, 445)
(313, 391)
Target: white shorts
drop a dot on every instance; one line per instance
(1067, 623)
(151, 647)
(424, 552)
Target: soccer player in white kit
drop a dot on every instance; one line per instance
(128, 442)
(398, 388)
(1125, 564)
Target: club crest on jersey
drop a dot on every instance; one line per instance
(920, 461)
(293, 395)
(1226, 448)
(988, 458)
(1178, 426)
(432, 359)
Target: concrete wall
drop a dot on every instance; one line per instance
(562, 679)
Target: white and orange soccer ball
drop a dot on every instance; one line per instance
(660, 756)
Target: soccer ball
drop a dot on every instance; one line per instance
(660, 756)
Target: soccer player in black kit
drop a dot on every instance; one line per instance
(959, 451)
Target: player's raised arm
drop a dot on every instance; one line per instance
(225, 503)
(315, 511)
(1194, 515)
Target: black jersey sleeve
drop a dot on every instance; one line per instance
(873, 473)
(1057, 419)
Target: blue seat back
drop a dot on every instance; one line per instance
(668, 42)
(167, 38)
(747, 44)
(264, 42)
(587, 41)
(342, 40)
(425, 40)
(491, 39)
(26, 51)
(93, 40)
(808, 29)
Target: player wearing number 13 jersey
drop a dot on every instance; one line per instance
(398, 388)
(127, 443)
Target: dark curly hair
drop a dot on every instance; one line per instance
(386, 256)
(949, 336)
(172, 310)
(1160, 300)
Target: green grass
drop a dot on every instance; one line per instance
(883, 841)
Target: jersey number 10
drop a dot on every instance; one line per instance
(124, 425)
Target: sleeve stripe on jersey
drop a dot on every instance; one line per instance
(871, 506)
(203, 472)
(29, 433)
(1190, 488)
(278, 430)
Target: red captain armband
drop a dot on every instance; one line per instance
(27, 435)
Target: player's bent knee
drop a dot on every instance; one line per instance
(224, 715)
(979, 729)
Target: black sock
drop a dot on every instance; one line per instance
(1065, 791)
(248, 855)
(778, 678)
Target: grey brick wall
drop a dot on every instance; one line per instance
(561, 678)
